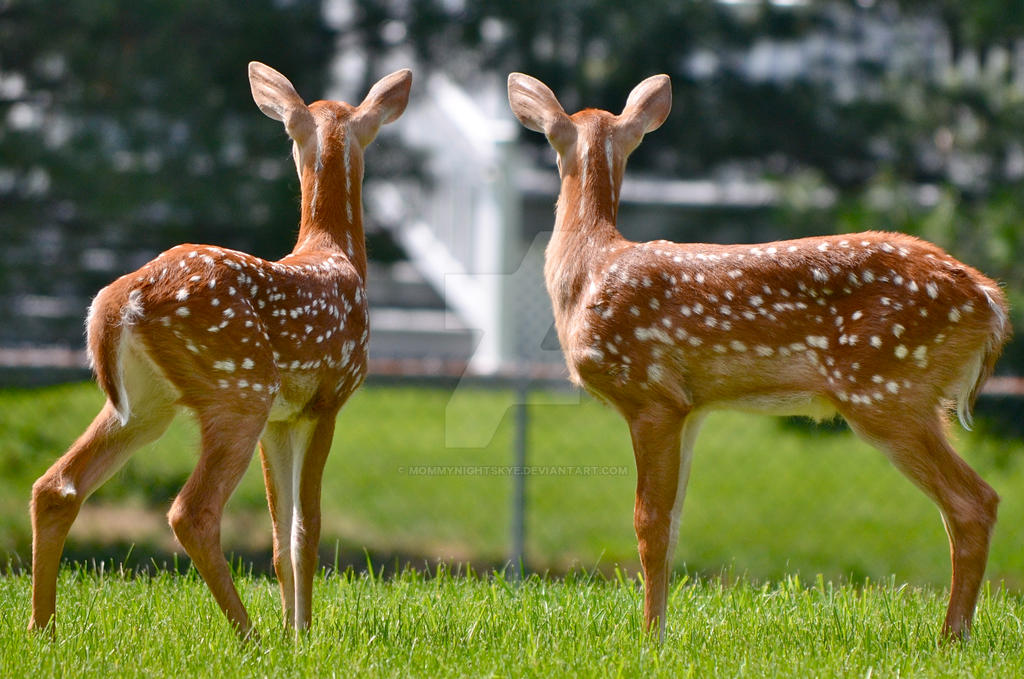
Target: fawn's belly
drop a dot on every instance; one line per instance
(800, 404)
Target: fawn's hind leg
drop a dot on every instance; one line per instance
(228, 441)
(59, 493)
(922, 452)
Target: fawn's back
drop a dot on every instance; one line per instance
(787, 326)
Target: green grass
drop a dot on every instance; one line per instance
(413, 625)
(800, 523)
(767, 498)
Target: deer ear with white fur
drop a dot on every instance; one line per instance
(277, 98)
(648, 104)
(537, 108)
(384, 103)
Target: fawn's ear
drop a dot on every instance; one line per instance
(538, 109)
(648, 105)
(277, 98)
(383, 104)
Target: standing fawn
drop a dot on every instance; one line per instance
(259, 351)
(884, 329)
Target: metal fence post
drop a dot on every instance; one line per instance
(518, 557)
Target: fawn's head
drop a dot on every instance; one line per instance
(591, 141)
(325, 129)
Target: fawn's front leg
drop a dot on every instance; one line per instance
(656, 444)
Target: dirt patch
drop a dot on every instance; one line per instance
(246, 532)
(134, 523)
(109, 535)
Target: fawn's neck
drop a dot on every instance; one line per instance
(332, 209)
(585, 231)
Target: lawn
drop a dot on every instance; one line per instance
(797, 546)
(768, 498)
(441, 625)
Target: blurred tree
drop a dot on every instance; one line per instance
(126, 127)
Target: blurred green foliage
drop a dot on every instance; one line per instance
(126, 127)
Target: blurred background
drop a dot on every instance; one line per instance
(128, 127)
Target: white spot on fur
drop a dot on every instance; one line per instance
(817, 341)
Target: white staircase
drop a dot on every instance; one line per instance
(461, 229)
